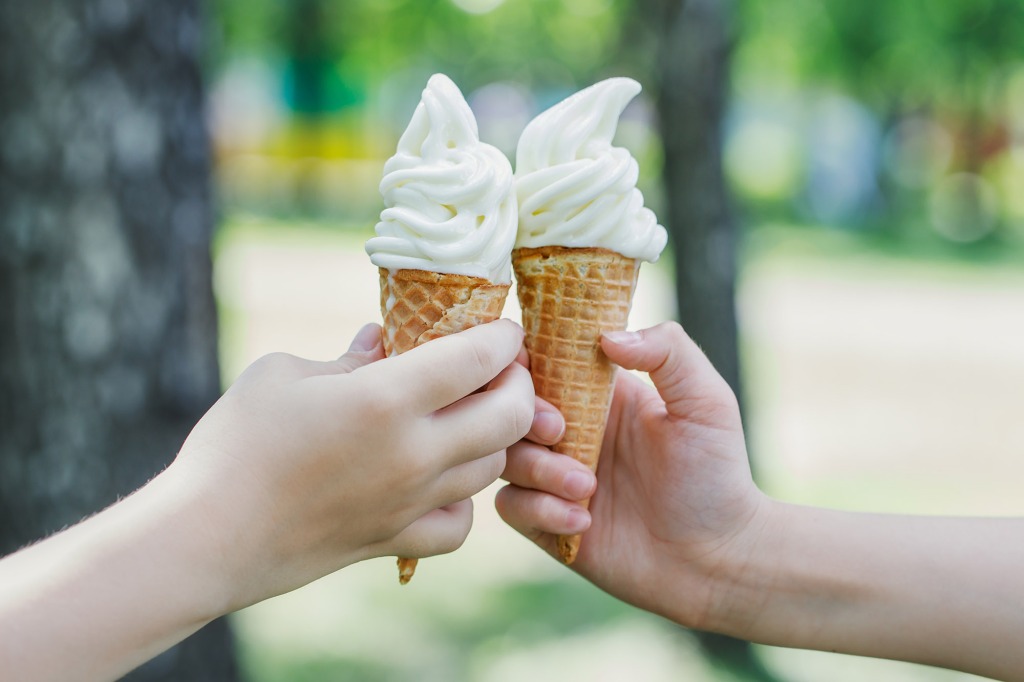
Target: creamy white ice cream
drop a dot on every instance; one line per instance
(574, 188)
(449, 198)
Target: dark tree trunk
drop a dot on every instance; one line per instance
(107, 320)
(693, 44)
(693, 49)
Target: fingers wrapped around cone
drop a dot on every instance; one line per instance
(419, 306)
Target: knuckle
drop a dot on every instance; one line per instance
(272, 362)
(674, 350)
(546, 506)
(273, 367)
(457, 535)
(380, 400)
(536, 469)
(366, 410)
(524, 380)
(496, 467)
(513, 457)
(419, 468)
(475, 477)
(479, 358)
(522, 416)
(673, 330)
(674, 336)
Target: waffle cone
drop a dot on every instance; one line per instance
(569, 296)
(418, 306)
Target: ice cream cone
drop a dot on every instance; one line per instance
(419, 306)
(569, 296)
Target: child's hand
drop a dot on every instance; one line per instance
(305, 467)
(674, 500)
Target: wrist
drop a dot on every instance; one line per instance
(790, 583)
(199, 540)
(742, 576)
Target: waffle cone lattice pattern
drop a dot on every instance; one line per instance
(569, 296)
(419, 306)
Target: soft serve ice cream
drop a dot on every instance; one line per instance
(583, 231)
(574, 187)
(445, 235)
(448, 197)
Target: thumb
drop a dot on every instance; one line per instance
(366, 347)
(677, 366)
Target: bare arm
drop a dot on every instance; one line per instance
(104, 596)
(677, 527)
(947, 592)
(300, 469)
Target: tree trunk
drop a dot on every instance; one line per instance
(693, 44)
(107, 321)
(693, 49)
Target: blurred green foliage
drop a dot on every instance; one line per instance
(947, 54)
(944, 83)
(902, 118)
(538, 42)
(919, 52)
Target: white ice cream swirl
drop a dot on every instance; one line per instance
(449, 203)
(574, 188)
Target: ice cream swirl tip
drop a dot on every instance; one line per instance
(574, 187)
(449, 198)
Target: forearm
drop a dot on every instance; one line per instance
(938, 591)
(97, 600)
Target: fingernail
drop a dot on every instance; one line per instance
(622, 338)
(578, 484)
(577, 520)
(366, 338)
(548, 426)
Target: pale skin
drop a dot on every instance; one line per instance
(300, 469)
(292, 475)
(678, 527)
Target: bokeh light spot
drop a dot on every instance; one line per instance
(763, 158)
(478, 6)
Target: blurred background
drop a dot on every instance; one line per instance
(185, 186)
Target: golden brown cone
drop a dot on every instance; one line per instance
(569, 296)
(419, 306)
